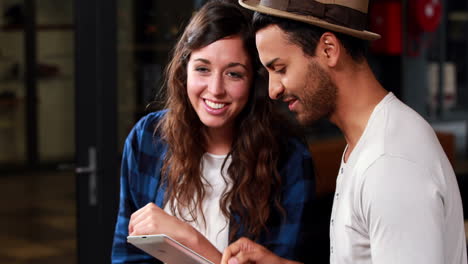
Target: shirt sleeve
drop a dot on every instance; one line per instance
(123, 252)
(403, 209)
(289, 236)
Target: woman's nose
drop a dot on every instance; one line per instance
(216, 85)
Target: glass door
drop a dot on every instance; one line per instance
(37, 201)
(12, 84)
(121, 49)
(96, 132)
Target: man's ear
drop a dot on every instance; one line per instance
(329, 49)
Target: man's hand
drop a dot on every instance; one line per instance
(246, 251)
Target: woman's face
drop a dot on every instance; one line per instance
(219, 77)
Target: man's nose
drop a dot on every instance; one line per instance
(216, 85)
(275, 88)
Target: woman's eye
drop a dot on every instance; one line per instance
(202, 69)
(236, 75)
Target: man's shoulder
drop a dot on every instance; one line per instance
(400, 131)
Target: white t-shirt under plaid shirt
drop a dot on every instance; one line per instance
(216, 228)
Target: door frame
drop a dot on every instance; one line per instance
(97, 159)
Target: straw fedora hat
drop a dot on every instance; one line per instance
(344, 16)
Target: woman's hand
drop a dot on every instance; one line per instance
(153, 220)
(246, 251)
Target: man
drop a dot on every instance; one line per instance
(396, 199)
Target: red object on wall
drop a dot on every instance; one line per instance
(426, 14)
(385, 19)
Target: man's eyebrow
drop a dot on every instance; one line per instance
(268, 64)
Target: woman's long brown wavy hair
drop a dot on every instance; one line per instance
(255, 151)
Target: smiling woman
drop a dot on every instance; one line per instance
(218, 84)
(218, 163)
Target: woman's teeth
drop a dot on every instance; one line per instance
(214, 105)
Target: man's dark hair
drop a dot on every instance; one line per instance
(307, 36)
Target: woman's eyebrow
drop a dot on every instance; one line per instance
(203, 60)
(234, 64)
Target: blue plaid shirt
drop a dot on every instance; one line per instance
(140, 184)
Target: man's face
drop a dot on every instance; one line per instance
(294, 77)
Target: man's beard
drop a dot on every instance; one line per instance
(318, 97)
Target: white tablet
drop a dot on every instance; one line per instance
(167, 249)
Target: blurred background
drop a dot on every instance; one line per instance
(76, 75)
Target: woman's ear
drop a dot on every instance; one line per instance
(329, 49)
